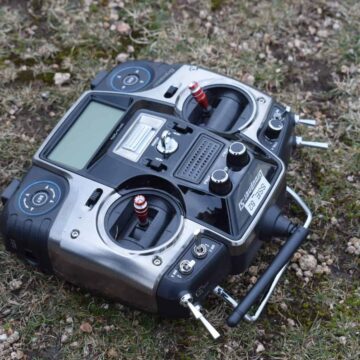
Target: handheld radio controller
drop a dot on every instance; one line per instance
(158, 183)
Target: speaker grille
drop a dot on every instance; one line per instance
(199, 159)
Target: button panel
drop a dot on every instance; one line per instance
(130, 79)
(39, 197)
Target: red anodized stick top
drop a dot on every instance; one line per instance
(199, 94)
(141, 209)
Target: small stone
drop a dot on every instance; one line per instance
(308, 262)
(296, 256)
(64, 338)
(13, 337)
(69, 320)
(323, 33)
(344, 69)
(61, 78)
(74, 345)
(19, 354)
(312, 30)
(342, 340)
(260, 348)
(3, 337)
(283, 306)
(351, 249)
(299, 273)
(86, 327)
(123, 28)
(15, 284)
(249, 79)
(112, 354)
(253, 270)
(122, 57)
(253, 279)
(203, 14)
(130, 49)
(45, 95)
(291, 322)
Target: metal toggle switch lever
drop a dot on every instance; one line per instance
(186, 301)
(307, 122)
(299, 142)
(167, 144)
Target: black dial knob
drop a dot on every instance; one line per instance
(274, 128)
(220, 182)
(237, 156)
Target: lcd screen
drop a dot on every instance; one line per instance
(85, 136)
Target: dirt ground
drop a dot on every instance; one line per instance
(306, 54)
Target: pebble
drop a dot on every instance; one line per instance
(86, 327)
(61, 78)
(130, 49)
(123, 28)
(203, 14)
(64, 338)
(291, 322)
(15, 284)
(13, 337)
(353, 246)
(17, 355)
(74, 345)
(122, 57)
(253, 270)
(112, 353)
(45, 95)
(308, 262)
(342, 340)
(253, 279)
(3, 337)
(249, 79)
(260, 348)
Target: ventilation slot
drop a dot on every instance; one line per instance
(199, 159)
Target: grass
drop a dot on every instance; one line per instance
(304, 53)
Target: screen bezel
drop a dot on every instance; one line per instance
(116, 101)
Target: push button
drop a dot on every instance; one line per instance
(39, 197)
(130, 79)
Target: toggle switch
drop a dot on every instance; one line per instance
(186, 301)
(167, 144)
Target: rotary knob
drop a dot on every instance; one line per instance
(220, 182)
(237, 156)
(167, 144)
(274, 128)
